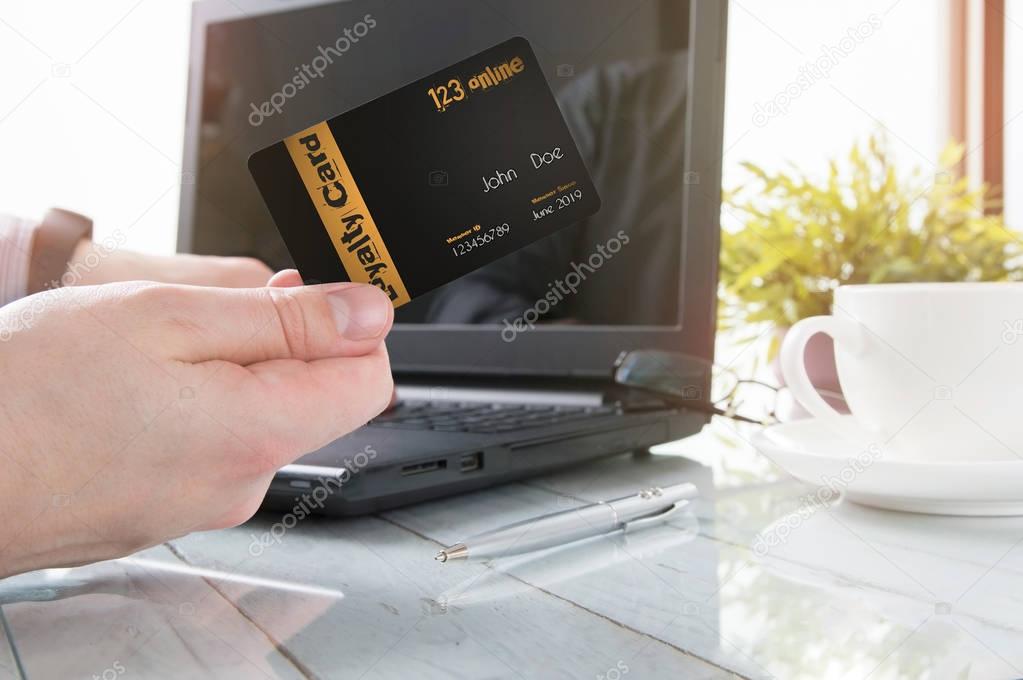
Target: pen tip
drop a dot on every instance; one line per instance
(453, 552)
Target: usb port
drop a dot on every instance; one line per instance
(423, 468)
(471, 463)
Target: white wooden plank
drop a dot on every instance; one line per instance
(134, 618)
(857, 597)
(392, 621)
(8, 662)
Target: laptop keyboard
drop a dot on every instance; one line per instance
(485, 418)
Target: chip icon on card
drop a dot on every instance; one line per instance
(430, 182)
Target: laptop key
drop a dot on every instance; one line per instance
(485, 418)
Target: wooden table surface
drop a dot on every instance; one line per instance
(847, 591)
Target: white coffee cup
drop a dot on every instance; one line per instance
(930, 371)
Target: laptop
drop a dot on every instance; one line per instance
(504, 373)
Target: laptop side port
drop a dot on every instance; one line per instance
(471, 462)
(423, 468)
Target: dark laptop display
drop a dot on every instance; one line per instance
(625, 77)
(640, 83)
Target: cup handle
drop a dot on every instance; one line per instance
(846, 333)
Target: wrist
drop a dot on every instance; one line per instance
(83, 265)
(41, 529)
(24, 509)
(57, 238)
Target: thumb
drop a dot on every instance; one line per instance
(247, 326)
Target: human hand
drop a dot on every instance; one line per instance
(137, 412)
(90, 269)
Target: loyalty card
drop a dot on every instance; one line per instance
(431, 181)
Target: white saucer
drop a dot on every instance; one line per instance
(813, 453)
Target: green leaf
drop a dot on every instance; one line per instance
(861, 221)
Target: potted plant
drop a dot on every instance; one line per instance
(800, 238)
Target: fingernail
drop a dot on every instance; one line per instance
(360, 312)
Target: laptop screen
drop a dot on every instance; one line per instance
(619, 71)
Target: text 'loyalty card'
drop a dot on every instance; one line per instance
(431, 181)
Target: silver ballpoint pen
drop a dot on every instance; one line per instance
(649, 506)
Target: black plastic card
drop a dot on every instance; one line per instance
(430, 182)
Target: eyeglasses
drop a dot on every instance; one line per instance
(693, 383)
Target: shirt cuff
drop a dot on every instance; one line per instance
(56, 238)
(16, 237)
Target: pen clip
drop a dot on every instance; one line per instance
(656, 518)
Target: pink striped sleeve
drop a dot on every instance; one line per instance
(15, 255)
